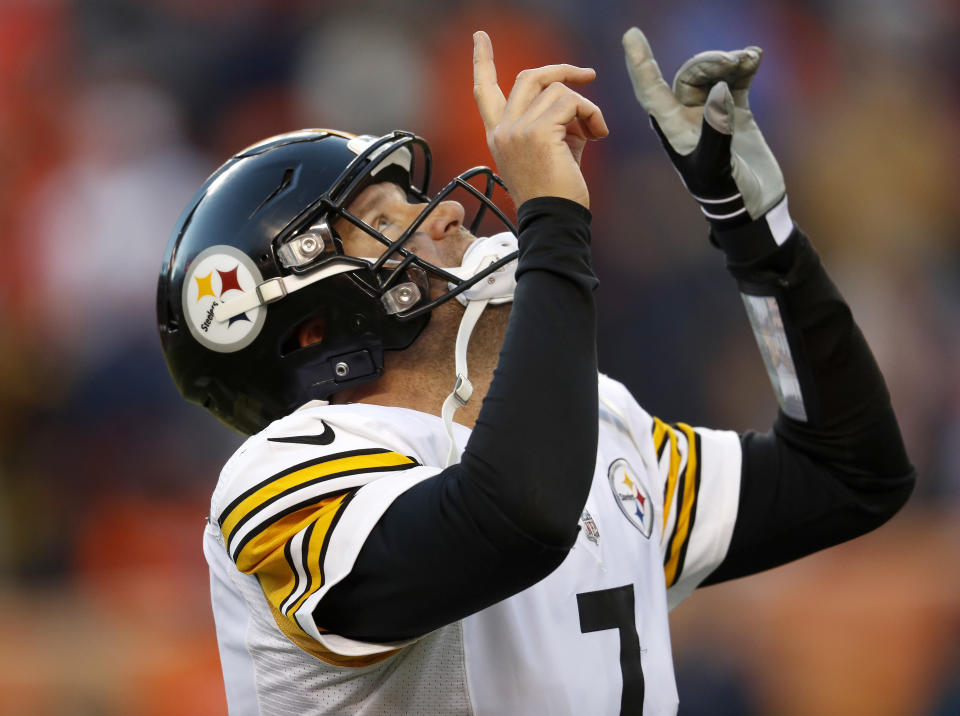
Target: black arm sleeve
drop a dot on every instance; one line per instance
(806, 485)
(506, 515)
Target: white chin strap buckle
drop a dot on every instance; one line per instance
(463, 390)
(497, 288)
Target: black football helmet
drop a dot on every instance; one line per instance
(255, 254)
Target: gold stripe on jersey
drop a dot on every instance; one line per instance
(660, 430)
(313, 551)
(266, 554)
(663, 434)
(686, 509)
(285, 547)
(340, 464)
(308, 644)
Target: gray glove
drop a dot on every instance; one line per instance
(709, 133)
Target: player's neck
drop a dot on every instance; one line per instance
(421, 377)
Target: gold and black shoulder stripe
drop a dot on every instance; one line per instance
(306, 478)
(305, 559)
(299, 577)
(287, 557)
(660, 431)
(687, 489)
(664, 438)
(279, 530)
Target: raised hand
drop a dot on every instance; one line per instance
(537, 134)
(709, 132)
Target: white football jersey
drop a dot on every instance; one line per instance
(288, 520)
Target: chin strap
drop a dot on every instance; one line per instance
(463, 388)
(498, 288)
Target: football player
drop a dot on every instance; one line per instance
(370, 555)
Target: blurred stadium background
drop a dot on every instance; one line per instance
(113, 111)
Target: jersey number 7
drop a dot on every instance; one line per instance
(614, 609)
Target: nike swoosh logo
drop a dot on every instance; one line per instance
(324, 438)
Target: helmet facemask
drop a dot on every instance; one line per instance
(400, 275)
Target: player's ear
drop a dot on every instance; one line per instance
(310, 332)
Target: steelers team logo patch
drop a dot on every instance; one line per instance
(632, 496)
(215, 276)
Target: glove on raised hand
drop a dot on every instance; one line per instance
(709, 133)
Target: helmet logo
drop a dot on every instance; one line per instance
(215, 275)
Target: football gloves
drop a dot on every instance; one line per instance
(709, 133)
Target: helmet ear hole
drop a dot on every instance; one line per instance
(311, 331)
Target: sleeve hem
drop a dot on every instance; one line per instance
(555, 205)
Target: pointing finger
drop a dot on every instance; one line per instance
(486, 91)
(648, 85)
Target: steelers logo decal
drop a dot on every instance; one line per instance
(215, 276)
(631, 495)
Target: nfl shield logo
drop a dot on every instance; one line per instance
(590, 527)
(632, 496)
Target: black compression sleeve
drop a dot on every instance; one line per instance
(506, 515)
(540, 415)
(842, 470)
